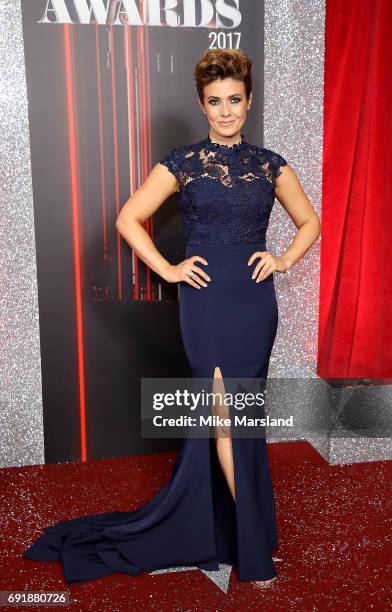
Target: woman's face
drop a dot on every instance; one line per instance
(225, 105)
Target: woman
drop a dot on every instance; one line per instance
(219, 504)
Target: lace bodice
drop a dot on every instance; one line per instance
(226, 193)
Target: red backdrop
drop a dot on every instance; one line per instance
(355, 319)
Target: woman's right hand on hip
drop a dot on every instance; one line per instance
(187, 271)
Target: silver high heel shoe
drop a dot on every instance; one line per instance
(267, 583)
(264, 583)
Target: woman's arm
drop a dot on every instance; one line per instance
(289, 192)
(155, 190)
(157, 187)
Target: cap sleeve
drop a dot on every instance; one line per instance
(173, 161)
(275, 162)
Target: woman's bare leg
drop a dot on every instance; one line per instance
(223, 439)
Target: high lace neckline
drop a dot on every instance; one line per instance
(225, 147)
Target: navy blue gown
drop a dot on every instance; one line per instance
(226, 194)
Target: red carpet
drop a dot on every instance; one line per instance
(334, 527)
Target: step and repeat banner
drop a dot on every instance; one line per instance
(110, 91)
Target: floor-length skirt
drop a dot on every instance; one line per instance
(193, 519)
